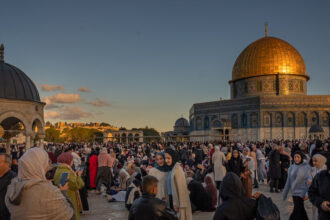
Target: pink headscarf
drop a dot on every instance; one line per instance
(65, 158)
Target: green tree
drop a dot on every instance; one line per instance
(52, 135)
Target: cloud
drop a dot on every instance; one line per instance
(63, 98)
(67, 113)
(51, 106)
(99, 103)
(84, 89)
(52, 114)
(51, 88)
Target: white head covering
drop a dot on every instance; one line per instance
(33, 164)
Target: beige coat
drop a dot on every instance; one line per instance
(180, 193)
(218, 159)
(162, 182)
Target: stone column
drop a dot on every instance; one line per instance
(27, 142)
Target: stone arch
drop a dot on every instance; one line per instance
(136, 137)
(199, 123)
(267, 119)
(21, 117)
(290, 120)
(325, 119)
(278, 119)
(123, 137)
(302, 119)
(234, 121)
(314, 118)
(130, 137)
(206, 123)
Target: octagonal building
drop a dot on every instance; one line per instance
(268, 99)
(21, 110)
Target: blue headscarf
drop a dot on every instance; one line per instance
(163, 168)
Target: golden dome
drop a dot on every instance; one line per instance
(268, 56)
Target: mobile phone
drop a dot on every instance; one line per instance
(64, 178)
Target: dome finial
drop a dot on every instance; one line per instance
(266, 29)
(2, 52)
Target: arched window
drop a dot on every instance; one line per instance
(267, 121)
(302, 119)
(244, 120)
(198, 123)
(325, 119)
(315, 118)
(290, 120)
(206, 123)
(192, 124)
(279, 119)
(254, 120)
(234, 121)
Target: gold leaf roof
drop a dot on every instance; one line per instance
(268, 56)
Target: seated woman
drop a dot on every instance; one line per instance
(200, 199)
(235, 203)
(133, 192)
(212, 191)
(32, 196)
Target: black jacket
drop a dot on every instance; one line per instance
(319, 192)
(235, 206)
(5, 180)
(274, 164)
(199, 197)
(235, 165)
(150, 208)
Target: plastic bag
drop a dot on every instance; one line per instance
(267, 210)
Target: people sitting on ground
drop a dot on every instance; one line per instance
(133, 192)
(212, 191)
(148, 207)
(199, 198)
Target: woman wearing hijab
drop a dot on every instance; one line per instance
(219, 170)
(212, 191)
(235, 164)
(177, 186)
(248, 174)
(297, 183)
(235, 204)
(104, 174)
(65, 161)
(32, 196)
(160, 171)
(92, 168)
(318, 165)
(285, 164)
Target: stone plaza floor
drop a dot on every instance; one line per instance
(100, 209)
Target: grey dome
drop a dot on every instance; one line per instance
(15, 84)
(182, 122)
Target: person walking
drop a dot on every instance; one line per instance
(261, 160)
(318, 165)
(235, 164)
(219, 169)
(274, 168)
(319, 193)
(177, 186)
(92, 166)
(104, 173)
(285, 164)
(297, 183)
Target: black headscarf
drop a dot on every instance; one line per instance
(174, 154)
(301, 155)
(163, 168)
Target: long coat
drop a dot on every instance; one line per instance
(180, 193)
(274, 164)
(219, 159)
(93, 166)
(162, 182)
(75, 183)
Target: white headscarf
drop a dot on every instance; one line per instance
(33, 164)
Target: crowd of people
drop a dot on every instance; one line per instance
(164, 180)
